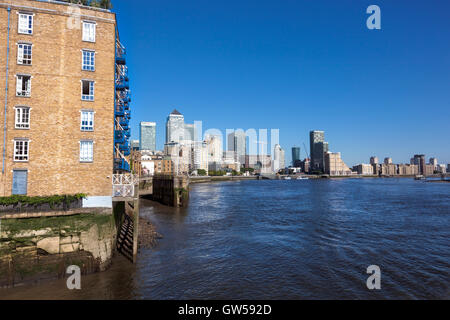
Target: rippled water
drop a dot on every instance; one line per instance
(310, 239)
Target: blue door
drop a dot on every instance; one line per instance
(20, 181)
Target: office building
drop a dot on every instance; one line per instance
(278, 158)
(419, 159)
(318, 148)
(175, 128)
(147, 138)
(237, 142)
(296, 157)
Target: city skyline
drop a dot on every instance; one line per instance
(295, 72)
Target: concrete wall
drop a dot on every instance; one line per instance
(42, 248)
(171, 190)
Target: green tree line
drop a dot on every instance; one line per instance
(104, 4)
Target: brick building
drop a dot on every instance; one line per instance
(66, 107)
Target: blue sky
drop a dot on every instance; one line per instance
(296, 66)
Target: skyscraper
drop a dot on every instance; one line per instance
(189, 132)
(175, 127)
(419, 159)
(147, 139)
(278, 158)
(295, 156)
(318, 148)
(237, 143)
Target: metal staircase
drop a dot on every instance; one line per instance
(122, 114)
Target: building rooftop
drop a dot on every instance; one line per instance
(176, 112)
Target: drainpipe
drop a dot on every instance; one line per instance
(6, 92)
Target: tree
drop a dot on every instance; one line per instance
(104, 4)
(201, 172)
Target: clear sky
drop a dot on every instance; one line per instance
(296, 66)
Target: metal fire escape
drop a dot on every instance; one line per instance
(122, 112)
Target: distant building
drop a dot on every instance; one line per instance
(296, 156)
(364, 169)
(278, 158)
(200, 155)
(147, 139)
(237, 142)
(334, 166)
(304, 165)
(388, 169)
(373, 160)
(175, 127)
(434, 162)
(429, 169)
(318, 148)
(387, 160)
(419, 159)
(215, 149)
(134, 145)
(189, 132)
(261, 163)
(408, 169)
(441, 168)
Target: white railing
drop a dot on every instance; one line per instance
(124, 185)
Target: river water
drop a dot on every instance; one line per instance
(294, 239)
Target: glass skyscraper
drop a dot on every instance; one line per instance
(295, 156)
(317, 148)
(147, 140)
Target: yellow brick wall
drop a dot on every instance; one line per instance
(54, 166)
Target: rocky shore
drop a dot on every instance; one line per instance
(147, 234)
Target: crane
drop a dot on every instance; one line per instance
(305, 150)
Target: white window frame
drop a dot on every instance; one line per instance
(19, 83)
(87, 116)
(89, 31)
(19, 117)
(87, 155)
(23, 27)
(87, 66)
(91, 95)
(21, 53)
(24, 155)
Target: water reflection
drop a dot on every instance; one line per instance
(285, 240)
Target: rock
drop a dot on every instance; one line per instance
(49, 245)
(71, 247)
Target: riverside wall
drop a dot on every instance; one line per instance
(34, 248)
(171, 190)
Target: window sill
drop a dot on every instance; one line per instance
(25, 33)
(23, 64)
(23, 96)
(87, 162)
(85, 100)
(21, 161)
(19, 128)
(89, 41)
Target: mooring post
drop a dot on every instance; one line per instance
(135, 228)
